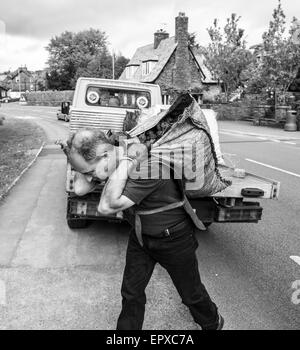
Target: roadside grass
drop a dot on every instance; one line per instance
(19, 142)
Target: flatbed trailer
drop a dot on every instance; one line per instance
(240, 202)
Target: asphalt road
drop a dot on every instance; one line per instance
(52, 277)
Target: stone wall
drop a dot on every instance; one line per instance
(247, 110)
(48, 98)
(166, 79)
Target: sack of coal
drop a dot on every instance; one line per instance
(181, 146)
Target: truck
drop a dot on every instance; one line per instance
(102, 104)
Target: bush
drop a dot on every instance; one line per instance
(49, 98)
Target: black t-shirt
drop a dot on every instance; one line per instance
(153, 194)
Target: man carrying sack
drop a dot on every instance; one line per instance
(164, 227)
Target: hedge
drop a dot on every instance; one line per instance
(48, 98)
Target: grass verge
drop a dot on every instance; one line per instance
(19, 142)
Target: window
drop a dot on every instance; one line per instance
(130, 71)
(148, 67)
(117, 98)
(165, 99)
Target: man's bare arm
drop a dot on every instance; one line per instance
(112, 200)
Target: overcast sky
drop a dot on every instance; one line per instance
(29, 24)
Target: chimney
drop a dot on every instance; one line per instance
(159, 36)
(182, 67)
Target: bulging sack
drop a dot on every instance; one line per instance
(181, 146)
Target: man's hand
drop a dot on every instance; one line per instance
(137, 151)
(83, 185)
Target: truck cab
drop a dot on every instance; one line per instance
(102, 104)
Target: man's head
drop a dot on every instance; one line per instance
(92, 153)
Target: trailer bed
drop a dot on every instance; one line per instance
(268, 186)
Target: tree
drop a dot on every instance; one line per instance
(279, 57)
(73, 55)
(192, 41)
(120, 64)
(226, 55)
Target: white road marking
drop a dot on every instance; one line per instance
(2, 293)
(272, 167)
(268, 136)
(290, 143)
(24, 117)
(296, 259)
(262, 138)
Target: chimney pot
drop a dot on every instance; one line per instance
(159, 36)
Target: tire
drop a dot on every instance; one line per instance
(66, 119)
(77, 223)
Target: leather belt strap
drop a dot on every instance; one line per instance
(184, 203)
(138, 223)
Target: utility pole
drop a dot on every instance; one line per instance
(19, 81)
(113, 64)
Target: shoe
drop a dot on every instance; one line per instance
(219, 326)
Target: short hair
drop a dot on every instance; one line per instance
(89, 139)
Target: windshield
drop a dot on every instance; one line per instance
(117, 98)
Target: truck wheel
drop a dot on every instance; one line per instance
(77, 223)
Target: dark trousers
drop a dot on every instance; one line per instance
(177, 254)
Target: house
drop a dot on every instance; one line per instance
(19, 80)
(172, 64)
(22, 80)
(3, 90)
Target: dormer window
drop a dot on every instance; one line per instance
(130, 71)
(147, 66)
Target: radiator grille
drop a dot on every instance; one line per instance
(103, 121)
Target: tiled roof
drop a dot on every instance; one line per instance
(3, 77)
(162, 54)
(3, 87)
(207, 73)
(19, 70)
(147, 53)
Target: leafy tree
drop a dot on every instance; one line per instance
(192, 41)
(73, 55)
(120, 64)
(279, 56)
(226, 55)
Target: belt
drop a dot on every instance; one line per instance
(184, 203)
(183, 225)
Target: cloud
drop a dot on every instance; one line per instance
(128, 23)
(19, 51)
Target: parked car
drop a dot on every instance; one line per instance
(64, 112)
